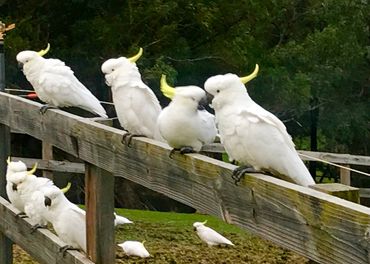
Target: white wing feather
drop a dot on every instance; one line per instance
(63, 89)
(137, 109)
(211, 237)
(262, 141)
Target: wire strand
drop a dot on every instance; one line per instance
(334, 164)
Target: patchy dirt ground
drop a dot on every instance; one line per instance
(170, 239)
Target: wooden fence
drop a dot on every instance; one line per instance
(322, 227)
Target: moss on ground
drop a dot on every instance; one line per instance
(170, 239)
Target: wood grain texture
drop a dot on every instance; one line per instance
(332, 157)
(319, 226)
(42, 245)
(99, 215)
(47, 154)
(53, 165)
(345, 175)
(6, 252)
(339, 190)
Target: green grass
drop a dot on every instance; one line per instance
(170, 238)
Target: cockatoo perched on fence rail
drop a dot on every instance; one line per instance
(210, 236)
(14, 196)
(136, 105)
(68, 219)
(186, 127)
(55, 83)
(250, 134)
(35, 208)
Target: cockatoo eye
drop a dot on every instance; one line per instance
(218, 91)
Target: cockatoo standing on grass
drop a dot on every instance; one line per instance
(182, 124)
(120, 220)
(136, 105)
(134, 248)
(55, 83)
(250, 134)
(210, 236)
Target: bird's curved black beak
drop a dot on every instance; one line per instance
(14, 187)
(47, 201)
(20, 65)
(205, 101)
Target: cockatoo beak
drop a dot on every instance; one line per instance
(32, 171)
(20, 65)
(251, 76)
(44, 51)
(8, 160)
(167, 90)
(14, 187)
(203, 103)
(66, 189)
(137, 56)
(209, 98)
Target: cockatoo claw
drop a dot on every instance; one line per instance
(184, 150)
(126, 138)
(172, 152)
(239, 172)
(46, 107)
(64, 249)
(35, 227)
(22, 215)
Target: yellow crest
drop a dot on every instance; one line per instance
(167, 90)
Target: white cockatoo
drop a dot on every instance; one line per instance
(135, 248)
(210, 236)
(184, 123)
(250, 134)
(136, 105)
(67, 219)
(13, 168)
(120, 220)
(55, 83)
(25, 187)
(35, 208)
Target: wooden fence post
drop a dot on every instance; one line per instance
(99, 193)
(47, 154)
(345, 175)
(345, 192)
(6, 253)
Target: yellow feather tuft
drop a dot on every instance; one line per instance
(167, 90)
(44, 51)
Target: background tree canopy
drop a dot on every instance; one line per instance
(314, 56)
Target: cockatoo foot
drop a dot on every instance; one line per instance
(172, 152)
(126, 138)
(239, 172)
(185, 150)
(182, 150)
(46, 107)
(64, 249)
(22, 215)
(35, 227)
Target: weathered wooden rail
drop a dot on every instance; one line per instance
(319, 226)
(344, 159)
